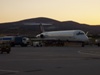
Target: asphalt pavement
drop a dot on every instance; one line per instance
(51, 61)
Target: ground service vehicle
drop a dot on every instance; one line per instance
(37, 44)
(5, 47)
(16, 40)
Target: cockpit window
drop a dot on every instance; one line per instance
(79, 33)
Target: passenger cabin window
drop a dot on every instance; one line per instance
(79, 33)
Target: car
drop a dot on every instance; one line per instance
(5, 47)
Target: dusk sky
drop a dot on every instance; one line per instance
(82, 11)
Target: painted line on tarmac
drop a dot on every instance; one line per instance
(88, 53)
(9, 71)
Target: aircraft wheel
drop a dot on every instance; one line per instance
(98, 44)
(1, 52)
(83, 44)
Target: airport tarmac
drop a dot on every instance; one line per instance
(51, 61)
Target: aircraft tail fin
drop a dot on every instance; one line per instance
(42, 28)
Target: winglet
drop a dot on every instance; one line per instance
(87, 33)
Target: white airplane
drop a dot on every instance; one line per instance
(65, 35)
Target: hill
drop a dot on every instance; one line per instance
(30, 27)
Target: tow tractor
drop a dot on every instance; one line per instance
(5, 47)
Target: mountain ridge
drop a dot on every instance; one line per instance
(31, 26)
